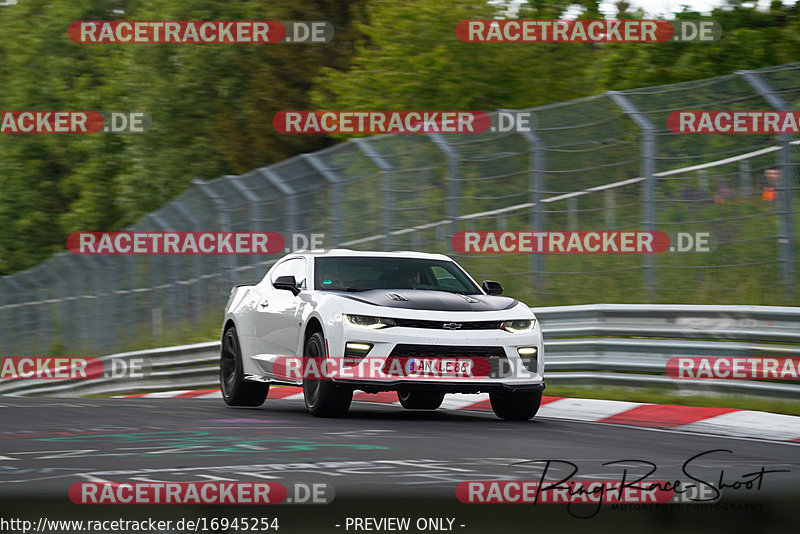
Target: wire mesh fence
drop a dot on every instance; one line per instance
(607, 162)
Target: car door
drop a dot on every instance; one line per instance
(279, 314)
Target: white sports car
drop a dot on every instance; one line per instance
(340, 320)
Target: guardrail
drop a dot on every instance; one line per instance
(598, 344)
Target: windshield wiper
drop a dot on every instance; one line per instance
(356, 289)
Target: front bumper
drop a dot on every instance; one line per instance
(440, 386)
(384, 341)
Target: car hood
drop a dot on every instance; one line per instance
(415, 299)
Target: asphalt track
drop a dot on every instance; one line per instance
(378, 459)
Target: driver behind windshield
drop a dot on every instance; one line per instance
(410, 279)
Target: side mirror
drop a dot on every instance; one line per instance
(286, 282)
(492, 288)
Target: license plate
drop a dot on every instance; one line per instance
(452, 367)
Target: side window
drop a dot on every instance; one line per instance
(295, 267)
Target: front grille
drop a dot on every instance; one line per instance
(469, 325)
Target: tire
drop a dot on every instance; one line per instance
(420, 400)
(235, 390)
(515, 405)
(323, 397)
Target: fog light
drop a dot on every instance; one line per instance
(356, 351)
(529, 356)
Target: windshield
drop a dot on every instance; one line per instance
(366, 273)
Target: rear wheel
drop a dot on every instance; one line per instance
(322, 396)
(420, 400)
(515, 405)
(235, 390)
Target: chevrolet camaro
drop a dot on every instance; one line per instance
(337, 321)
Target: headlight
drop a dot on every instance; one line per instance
(365, 321)
(519, 326)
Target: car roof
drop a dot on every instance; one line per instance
(344, 252)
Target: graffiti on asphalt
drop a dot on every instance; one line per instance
(392, 471)
(195, 443)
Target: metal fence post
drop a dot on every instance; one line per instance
(28, 313)
(48, 326)
(70, 279)
(336, 195)
(254, 209)
(786, 185)
(91, 311)
(146, 296)
(54, 329)
(291, 201)
(80, 283)
(572, 213)
(130, 302)
(452, 182)
(171, 260)
(112, 313)
(745, 183)
(387, 187)
(196, 293)
(7, 314)
(224, 222)
(14, 318)
(538, 164)
(648, 169)
(106, 314)
(88, 301)
(610, 205)
(249, 197)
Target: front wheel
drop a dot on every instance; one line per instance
(420, 400)
(322, 396)
(515, 405)
(235, 390)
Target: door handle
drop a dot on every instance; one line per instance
(264, 304)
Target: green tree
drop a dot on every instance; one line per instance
(44, 177)
(750, 39)
(413, 60)
(211, 105)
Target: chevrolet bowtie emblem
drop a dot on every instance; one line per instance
(451, 326)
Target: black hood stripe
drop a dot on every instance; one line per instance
(431, 301)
